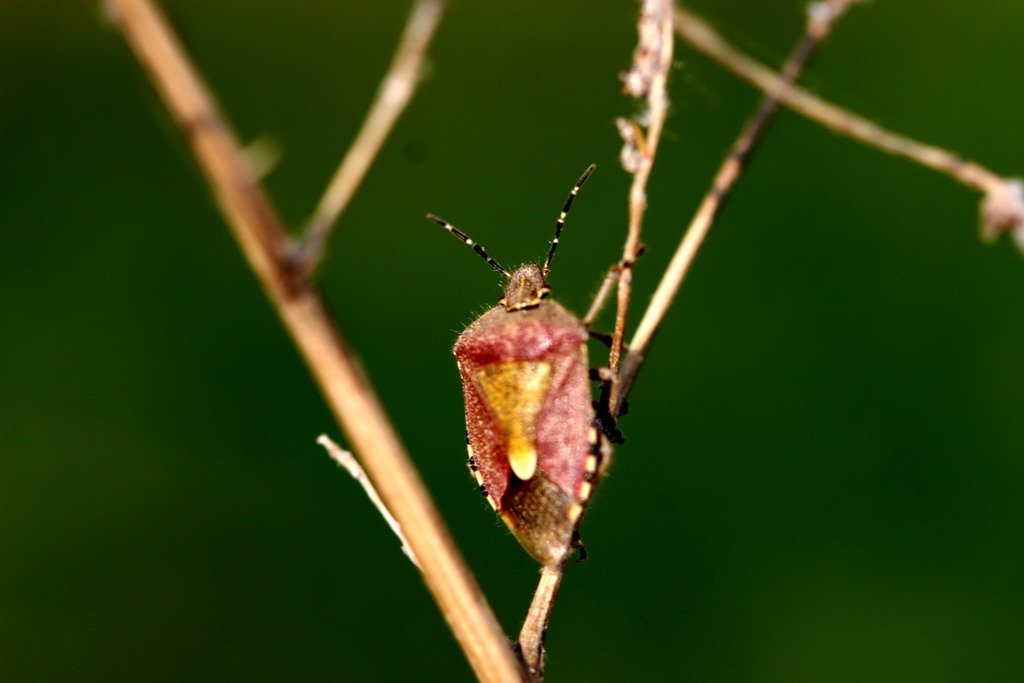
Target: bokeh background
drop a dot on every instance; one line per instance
(823, 479)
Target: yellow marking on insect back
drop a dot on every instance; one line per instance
(585, 488)
(515, 392)
(574, 512)
(591, 464)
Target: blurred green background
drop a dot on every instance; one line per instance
(823, 477)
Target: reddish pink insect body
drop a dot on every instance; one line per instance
(534, 448)
(525, 378)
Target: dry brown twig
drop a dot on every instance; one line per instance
(269, 251)
(820, 19)
(348, 461)
(1002, 208)
(535, 626)
(646, 79)
(266, 246)
(396, 89)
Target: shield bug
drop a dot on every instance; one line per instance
(534, 445)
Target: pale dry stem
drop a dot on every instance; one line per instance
(348, 461)
(266, 247)
(601, 298)
(393, 95)
(535, 626)
(701, 36)
(1002, 206)
(647, 79)
(821, 18)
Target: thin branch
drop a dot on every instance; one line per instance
(597, 305)
(821, 18)
(394, 94)
(1002, 210)
(701, 36)
(647, 78)
(347, 391)
(535, 627)
(1002, 207)
(348, 461)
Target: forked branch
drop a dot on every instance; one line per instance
(348, 461)
(1002, 207)
(348, 393)
(535, 626)
(269, 250)
(1001, 210)
(647, 79)
(821, 17)
(396, 89)
(703, 37)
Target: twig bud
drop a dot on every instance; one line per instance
(1002, 210)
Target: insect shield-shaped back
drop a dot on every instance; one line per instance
(533, 445)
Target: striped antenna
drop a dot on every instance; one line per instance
(560, 223)
(465, 238)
